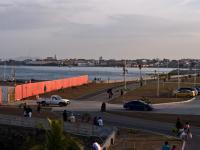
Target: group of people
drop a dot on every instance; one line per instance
(98, 121)
(27, 111)
(166, 146)
(68, 116)
(183, 130)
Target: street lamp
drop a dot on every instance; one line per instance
(140, 67)
(195, 75)
(124, 73)
(178, 74)
(158, 84)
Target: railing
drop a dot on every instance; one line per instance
(74, 128)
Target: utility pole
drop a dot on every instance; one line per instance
(140, 67)
(195, 75)
(167, 70)
(178, 75)
(124, 73)
(158, 76)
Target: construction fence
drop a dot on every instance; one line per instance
(20, 92)
(33, 89)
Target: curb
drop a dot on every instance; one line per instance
(187, 101)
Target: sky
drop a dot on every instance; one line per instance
(119, 29)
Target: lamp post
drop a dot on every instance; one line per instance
(124, 73)
(195, 75)
(158, 82)
(178, 75)
(140, 68)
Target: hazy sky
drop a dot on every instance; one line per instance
(93, 28)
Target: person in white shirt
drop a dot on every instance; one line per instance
(100, 122)
(96, 146)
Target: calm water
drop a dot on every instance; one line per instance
(49, 73)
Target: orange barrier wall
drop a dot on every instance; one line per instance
(32, 89)
(0, 96)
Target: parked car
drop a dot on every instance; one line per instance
(198, 89)
(53, 100)
(138, 105)
(186, 92)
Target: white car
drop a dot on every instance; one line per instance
(53, 100)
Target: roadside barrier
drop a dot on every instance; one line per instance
(33, 89)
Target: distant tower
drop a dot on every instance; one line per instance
(55, 57)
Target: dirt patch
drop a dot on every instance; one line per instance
(129, 139)
(170, 118)
(149, 92)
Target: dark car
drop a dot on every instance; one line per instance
(198, 89)
(138, 105)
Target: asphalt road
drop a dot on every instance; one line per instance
(191, 108)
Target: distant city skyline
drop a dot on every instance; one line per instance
(114, 29)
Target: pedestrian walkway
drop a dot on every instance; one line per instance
(102, 96)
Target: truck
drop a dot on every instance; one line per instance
(53, 100)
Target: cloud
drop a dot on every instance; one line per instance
(107, 26)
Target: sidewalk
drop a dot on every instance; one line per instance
(102, 96)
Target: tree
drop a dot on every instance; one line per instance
(56, 140)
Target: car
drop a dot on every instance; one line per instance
(198, 89)
(138, 105)
(53, 100)
(185, 93)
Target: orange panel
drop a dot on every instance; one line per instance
(33, 89)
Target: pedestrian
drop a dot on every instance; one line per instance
(29, 112)
(166, 146)
(108, 91)
(179, 127)
(174, 147)
(111, 93)
(178, 124)
(96, 146)
(184, 135)
(100, 122)
(121, 92)
(187, 126)
(38, 108)
(64, 115)
(24, 106)
(103, 107)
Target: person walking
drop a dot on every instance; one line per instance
(64, 115)
(38, 108)
(100, 122)
(29, 112)
(121, 92)
(25, 110)
(103, 107)
(179, 127)
(96, 146)
(174, 147)
(166, 146)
